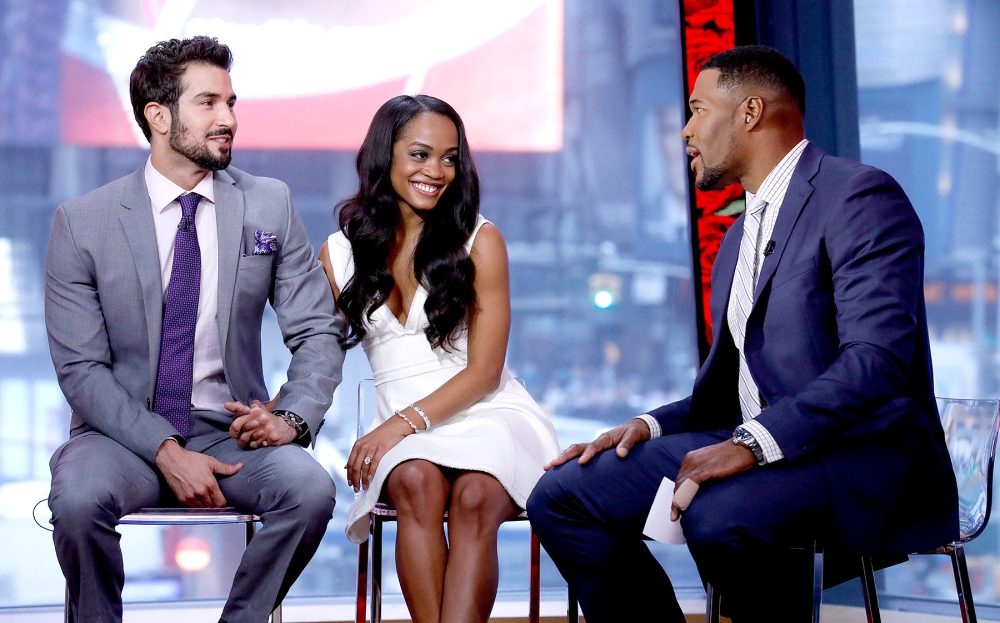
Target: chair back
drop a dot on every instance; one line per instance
(970, 429)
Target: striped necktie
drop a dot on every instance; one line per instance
(741, 302)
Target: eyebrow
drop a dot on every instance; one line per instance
(212, 94)
(428, 147)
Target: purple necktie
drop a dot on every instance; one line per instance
(180, 314)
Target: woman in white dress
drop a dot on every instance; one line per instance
(422, 279)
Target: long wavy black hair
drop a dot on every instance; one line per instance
(369, 220)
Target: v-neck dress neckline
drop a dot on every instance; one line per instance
(414, 313)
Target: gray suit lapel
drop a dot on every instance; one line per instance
(136, 218)
(229, 210)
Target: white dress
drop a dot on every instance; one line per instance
(505, 434)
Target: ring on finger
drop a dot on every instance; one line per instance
(368, 460)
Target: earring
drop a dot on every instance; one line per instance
(748, 118)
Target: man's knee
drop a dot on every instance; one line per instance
(308, 488)
(79, 508)
(546, 497)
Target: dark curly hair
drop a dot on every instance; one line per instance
(369, 220)
(760, 66)
(157, 75)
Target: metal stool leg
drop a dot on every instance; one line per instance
(362, 590)
(68, 616)
(534, 584)
(376, 568)
(572, 607)
(713, 602)
(817, 582)
(962, 584)
(869, 590)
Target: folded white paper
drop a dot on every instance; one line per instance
(658, 525)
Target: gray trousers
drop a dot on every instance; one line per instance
(96, 480)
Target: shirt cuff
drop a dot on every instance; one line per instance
(764, 439)
(654, 426)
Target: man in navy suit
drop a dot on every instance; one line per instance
(813, 416)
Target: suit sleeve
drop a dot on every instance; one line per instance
(310, 326)
(81, 350)
(672, 417)
(874, 243)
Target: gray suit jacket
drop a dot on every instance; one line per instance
(104, 306)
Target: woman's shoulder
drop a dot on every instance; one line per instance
(338, 251)
(481, 223)
(338, 238)
(338, 246)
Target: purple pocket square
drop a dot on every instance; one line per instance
(265, 243)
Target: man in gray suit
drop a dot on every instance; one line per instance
(154, 290)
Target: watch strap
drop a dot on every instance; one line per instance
(745, 438)
(296, 422)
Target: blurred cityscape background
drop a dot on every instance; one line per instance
(583, 171)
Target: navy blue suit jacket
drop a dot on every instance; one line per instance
(837, 343)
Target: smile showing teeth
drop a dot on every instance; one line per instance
(425, 188)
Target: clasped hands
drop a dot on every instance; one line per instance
(719, 460)
(193, 476)
(255, 426)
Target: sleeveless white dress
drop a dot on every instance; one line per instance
(505, 434)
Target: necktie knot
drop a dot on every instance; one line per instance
(756, 206)
(189, 203)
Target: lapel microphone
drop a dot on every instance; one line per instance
(769, 248)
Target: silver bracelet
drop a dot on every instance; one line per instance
(407, 420)
(423, 416)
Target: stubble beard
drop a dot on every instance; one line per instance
(182, 141)
(712, 178)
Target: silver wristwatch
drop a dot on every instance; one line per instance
(743, 437)
(296, 422)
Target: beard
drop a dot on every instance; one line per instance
(184, 143)
(710, 178)
(716, 177)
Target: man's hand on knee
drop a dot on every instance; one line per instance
(192, 475)
(623, 438)
(719, 460)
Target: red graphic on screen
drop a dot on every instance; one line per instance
(310, 75)
(708, 29)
